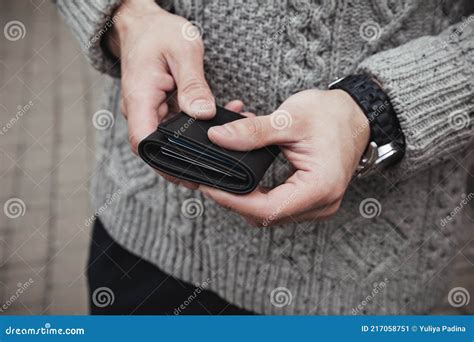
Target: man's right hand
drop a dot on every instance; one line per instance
(159, 52)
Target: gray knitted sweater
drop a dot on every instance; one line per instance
(388, 249)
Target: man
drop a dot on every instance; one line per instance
(324, 239)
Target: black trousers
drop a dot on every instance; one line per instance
(121, 283)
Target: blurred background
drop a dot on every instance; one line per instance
(48, 94)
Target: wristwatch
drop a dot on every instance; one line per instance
(387, 142)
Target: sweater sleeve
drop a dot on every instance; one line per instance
(430, 82)
(90, 20)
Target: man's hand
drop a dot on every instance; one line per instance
(159, 52)
(323, 134)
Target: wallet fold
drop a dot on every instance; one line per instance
(180, 147)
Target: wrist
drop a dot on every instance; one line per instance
(358, 124)
(126, 14)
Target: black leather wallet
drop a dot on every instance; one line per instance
(180, 147)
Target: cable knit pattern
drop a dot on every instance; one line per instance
(262, 52)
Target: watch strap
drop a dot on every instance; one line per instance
(375, 103)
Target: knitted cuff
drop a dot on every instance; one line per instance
(430, 85)
(90, 21)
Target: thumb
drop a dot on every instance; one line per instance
(252, 133)
(194, 96)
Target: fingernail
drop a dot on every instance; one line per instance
(201, 106)
(223, 130)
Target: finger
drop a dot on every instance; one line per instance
(194, 96)
(249, 133)
(142, 121)
(167, 177)
(238, 106)
(235, 106)
(142, 97)
(177, 181)
(163, 110)
(248, 114)
(310, 215)
(295, 196)
(188, 185)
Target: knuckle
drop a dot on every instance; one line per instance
(332, 193)
(189, 48)
(262, 219)
(198, 45)
(329, 212)
(123, 107)
(267, 215)
(325, 194)
(127, 82)
(133, 97)
(254, 127)
(336, 207)
(185, 49)
(192, 85)
(133, 141)
(338, 191)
